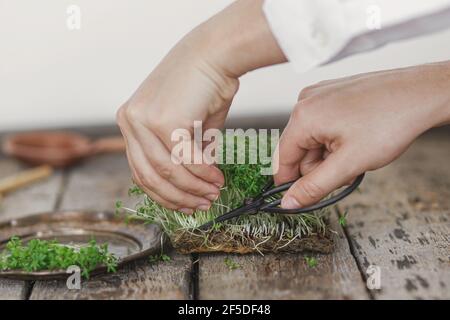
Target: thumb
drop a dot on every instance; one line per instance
(331, 174)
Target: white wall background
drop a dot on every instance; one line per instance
(52, 77)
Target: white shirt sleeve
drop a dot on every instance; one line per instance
(317, 32)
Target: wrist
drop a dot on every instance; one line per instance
(441, 114)
(237, 40)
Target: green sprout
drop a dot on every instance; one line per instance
(311, 261)
(38, 255)
(159, 257)
(232, 265)
(135, 191)
(248, 233)
(343, 219)
(118, 206)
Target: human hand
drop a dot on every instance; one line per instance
(342, 128)
(196, 81)
(181, 90)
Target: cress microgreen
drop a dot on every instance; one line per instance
(232, 265)
(311, 261)
(343, 219)
(159, 257)
(248, 233)
(135, 191)
(38, 255)
(118, 206)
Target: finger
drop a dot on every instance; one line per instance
(152, 181)
(177, 174)
(153, 195)
(312, 159)
(129, 139)
(125, 130)
(163, 202)
(327, 177)
(202, 167)
(147, 191)
(288, 155)
(197, 167)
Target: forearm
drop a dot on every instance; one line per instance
(237, 39)
(441, 113)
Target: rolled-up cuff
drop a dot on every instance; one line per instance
(305, 32)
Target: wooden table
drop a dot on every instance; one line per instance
(400, 222)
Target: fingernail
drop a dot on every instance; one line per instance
(186, 210)
(289, 203)
(204, 207)
(219, 185)
(212, 196)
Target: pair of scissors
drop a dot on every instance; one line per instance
(265, 202)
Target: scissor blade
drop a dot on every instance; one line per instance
(227, 216)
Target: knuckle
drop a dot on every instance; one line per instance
(309, 109)
(305, 93)
(301, 110)
(164, 170)
(132, 112)
(120, 115)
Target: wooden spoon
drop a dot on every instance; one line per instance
(58, 148)
(24, 178)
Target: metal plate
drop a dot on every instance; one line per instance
(128, 241)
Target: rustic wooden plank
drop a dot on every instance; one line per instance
(139, 280)
(401, 222)
(283, 276)
(38, 197)
(96, 184)
(13, 289)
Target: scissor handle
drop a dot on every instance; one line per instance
(272, 207)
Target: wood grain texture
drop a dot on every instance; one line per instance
(35, 198)
(13, 289)
(97, 184)
(401, 222)
(283, 276)
(139, 280)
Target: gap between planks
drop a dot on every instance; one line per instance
(401, 222)
(283, 276)
(354, 254)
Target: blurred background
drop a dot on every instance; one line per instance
(54, 76)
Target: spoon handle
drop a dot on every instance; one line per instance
(24, 178)
(108, 144)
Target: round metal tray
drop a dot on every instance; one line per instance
(127, 241)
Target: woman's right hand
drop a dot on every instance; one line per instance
(344, 127)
